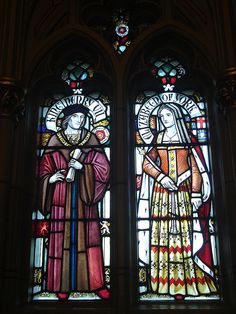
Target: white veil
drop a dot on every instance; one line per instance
(145, 196)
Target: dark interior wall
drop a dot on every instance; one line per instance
(36, 38)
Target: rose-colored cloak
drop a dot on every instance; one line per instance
(75, 260)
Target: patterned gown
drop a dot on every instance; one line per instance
(173, 267)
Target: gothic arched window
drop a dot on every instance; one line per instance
(176, 234)
(71, 218)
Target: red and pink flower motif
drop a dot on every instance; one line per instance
(122, 30)
(102, 134)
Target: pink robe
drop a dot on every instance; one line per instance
(87, 273)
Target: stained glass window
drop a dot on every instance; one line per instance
(121, 20)
(71, 218)
(176, 224)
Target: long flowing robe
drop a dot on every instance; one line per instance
(180, 249)
(75, 259)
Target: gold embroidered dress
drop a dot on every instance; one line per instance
(173, 268)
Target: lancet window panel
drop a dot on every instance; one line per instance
(71, 233)
(176, 223)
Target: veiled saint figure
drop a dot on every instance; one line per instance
(74, 174)
(180, 254)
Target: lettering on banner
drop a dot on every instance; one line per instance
(145, 111)
(96, 109)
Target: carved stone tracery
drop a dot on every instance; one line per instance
(226, 91)
(11, 99)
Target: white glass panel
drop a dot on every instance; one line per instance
(38, 252)
(106, 205)
(106, 250)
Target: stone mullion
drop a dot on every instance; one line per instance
(11, 109)
(229, 44)
(120, 207)
(8, 22)
(226, 96)
(12, 35)
(224, 37)
(12, 24)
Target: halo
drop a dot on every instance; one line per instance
(97, 110)
(147, 108)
